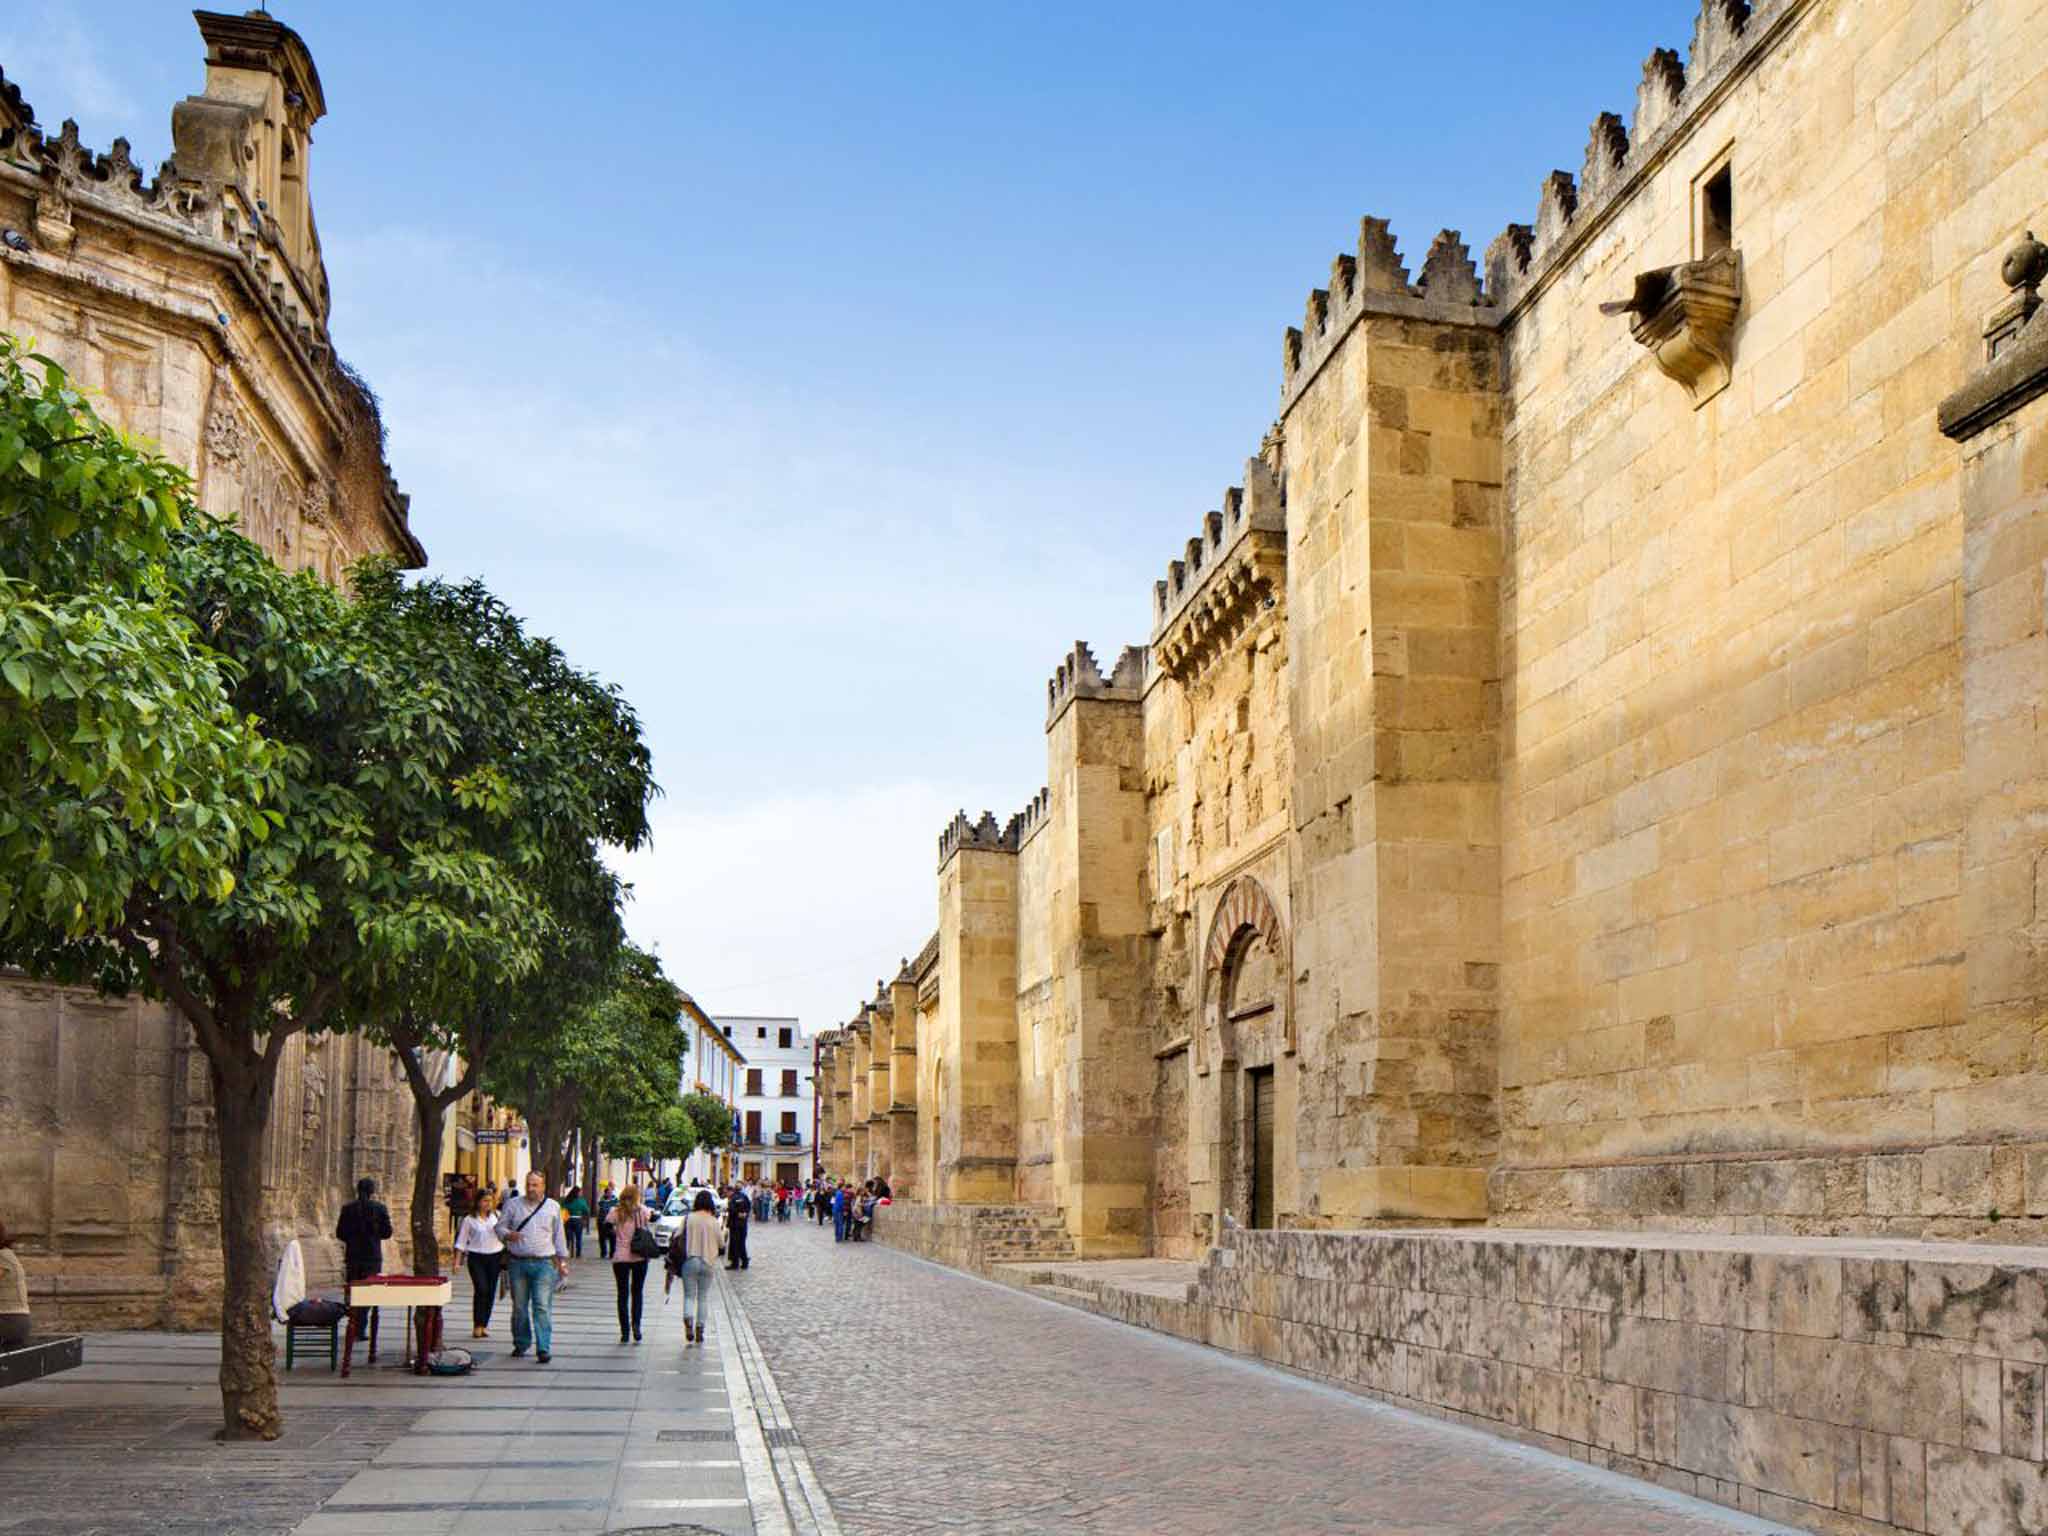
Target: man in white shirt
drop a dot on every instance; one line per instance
(531, 1228)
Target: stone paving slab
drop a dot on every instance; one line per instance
(934, 1402)
(604, 1438)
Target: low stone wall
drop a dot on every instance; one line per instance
(1840, 1385)
(974, 1237)
(1987, 1192)
(942, 1233)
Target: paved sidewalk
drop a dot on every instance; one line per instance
(934, 1402)
(605, 1438)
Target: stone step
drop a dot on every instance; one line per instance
(1065, 1294)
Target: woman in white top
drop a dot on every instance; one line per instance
(690, 1252)
(480, 1241)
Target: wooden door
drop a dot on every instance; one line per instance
(1262, 1146)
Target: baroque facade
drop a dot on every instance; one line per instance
(1592, 772)
(195, 308)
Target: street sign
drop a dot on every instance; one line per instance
(492, 1138)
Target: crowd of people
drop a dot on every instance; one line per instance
(517, 1247)
(849, 1207)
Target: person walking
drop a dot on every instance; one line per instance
(633, 1244)
(14, 1318)
(842, 1199)
(607, 1202)
(575, 1212)
(690, 1253)
(484, 1251)
(739, 1213)
(363, 1227)
(530, 1226)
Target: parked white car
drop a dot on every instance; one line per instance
(678, 1207)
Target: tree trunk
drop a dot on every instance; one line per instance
(429, 1114)
(248, 1378)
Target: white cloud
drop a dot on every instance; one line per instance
(54, 57)
(834, 642)
(794, 905)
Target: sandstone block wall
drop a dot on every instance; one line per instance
(1736, 809)
(1596, 769)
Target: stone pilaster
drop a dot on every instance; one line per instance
(1392, 459)
(977, 1027)
(1102, 1090)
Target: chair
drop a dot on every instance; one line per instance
(313, 1332)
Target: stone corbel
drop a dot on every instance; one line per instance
(1685, 315)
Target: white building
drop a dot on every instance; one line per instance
(775, 1098)
(714, 1065)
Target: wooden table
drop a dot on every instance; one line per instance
(422, 1296)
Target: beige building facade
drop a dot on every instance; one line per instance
(1590, 773)
(195, 307)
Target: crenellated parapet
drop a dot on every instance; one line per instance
(1037, 811)
(983, 836)
(1233, 570)
(1670, 97)
(1079, 677)
(1376, 282)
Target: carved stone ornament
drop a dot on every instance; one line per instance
(226, 433)
(55, 231)
(316, 504)
(1685, 315)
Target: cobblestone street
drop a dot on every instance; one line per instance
(933, 1402)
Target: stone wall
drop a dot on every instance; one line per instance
(1832, 1384)
(1595, 762)
(194, 307)
(1736, 809)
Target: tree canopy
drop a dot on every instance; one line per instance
(549, 765)
(278, 808)
(124, 763)
(610, 1067)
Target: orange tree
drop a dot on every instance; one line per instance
(556, 756)
(233, 790)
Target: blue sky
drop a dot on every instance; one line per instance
(819, 374)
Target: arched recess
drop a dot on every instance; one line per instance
(1246, 996)
(1247, 1024)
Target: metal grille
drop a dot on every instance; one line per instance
(693, 1436)
(780, 1436)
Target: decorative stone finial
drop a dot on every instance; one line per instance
(2026, 264)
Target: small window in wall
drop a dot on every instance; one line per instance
(1714, 208)
(761, 1033)
(782, 1039)
(789, 1085)
(789, 1122)
(753, 1082)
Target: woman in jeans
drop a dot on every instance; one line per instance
(576, 1211)
(690, 1253)
(479, 1240)
(629, 1269)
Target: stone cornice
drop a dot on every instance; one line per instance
(2019, 374)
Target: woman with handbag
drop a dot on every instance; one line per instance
(479, 1243)
(690, 1252)
(633, 1232)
